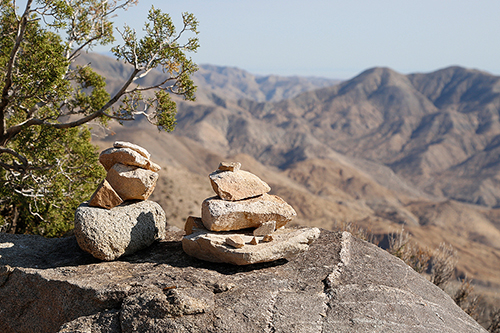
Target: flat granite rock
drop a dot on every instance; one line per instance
(222, 215)
(108, 234)
(127, 156)
(214, 246)
(139, 149)
(341, 284)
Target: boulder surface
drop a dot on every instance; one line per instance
(122, 230)
(341, 284)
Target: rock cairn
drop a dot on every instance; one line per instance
(243, 224)
(118, 219)
(131, 175)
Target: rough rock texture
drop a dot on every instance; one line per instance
(127, 156)
(229, 166)
(265, 228)
(123, 230)
(132, 183)
(234, 240)
(192, 222)
(221, 215)
(222, 246)
(341, 284)
(237, 185)
(105, 196)
(139, 149)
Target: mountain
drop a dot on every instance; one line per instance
(383, 150)
(440, 131)
(215, 83)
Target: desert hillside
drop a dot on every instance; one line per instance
(382, 150)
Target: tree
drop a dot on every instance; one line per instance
(47, 163)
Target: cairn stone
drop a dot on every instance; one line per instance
(191, 223)
(229, 166)
(105, 196)
(126, 156)
(221, 215)
(236, 185)
(268, 238)
(235, 241)
(132, 183)
(243, 203)
(122, 230)
(265, 228)
(139, 149)
(214, 247)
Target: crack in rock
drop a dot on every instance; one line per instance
(271, 310)
(333, 279)
(5, 272)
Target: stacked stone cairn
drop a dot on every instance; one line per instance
(118, 219)
(243, 224)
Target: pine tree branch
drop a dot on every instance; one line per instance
(5, 99)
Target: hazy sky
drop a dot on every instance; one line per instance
(339, 39)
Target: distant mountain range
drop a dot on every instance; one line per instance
(382, 150)
(440, 131)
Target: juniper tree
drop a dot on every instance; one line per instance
(47, 163)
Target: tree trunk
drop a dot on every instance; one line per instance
(15, 217)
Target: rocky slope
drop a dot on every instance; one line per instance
(341, 284)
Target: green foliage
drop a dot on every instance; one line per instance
(159, 48)
(47, 164)
(46, 198)
(91, 101)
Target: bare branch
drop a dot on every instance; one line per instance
(17, 167)
(159, 85)
(14, 130)
(117, 117)
(21, 29)
(124, 6)
(77, 51)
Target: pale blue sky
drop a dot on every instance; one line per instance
(339, 39)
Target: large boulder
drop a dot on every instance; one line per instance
(122, 230)
(222, 215)
(342, 284)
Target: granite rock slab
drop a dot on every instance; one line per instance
(341, 284)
